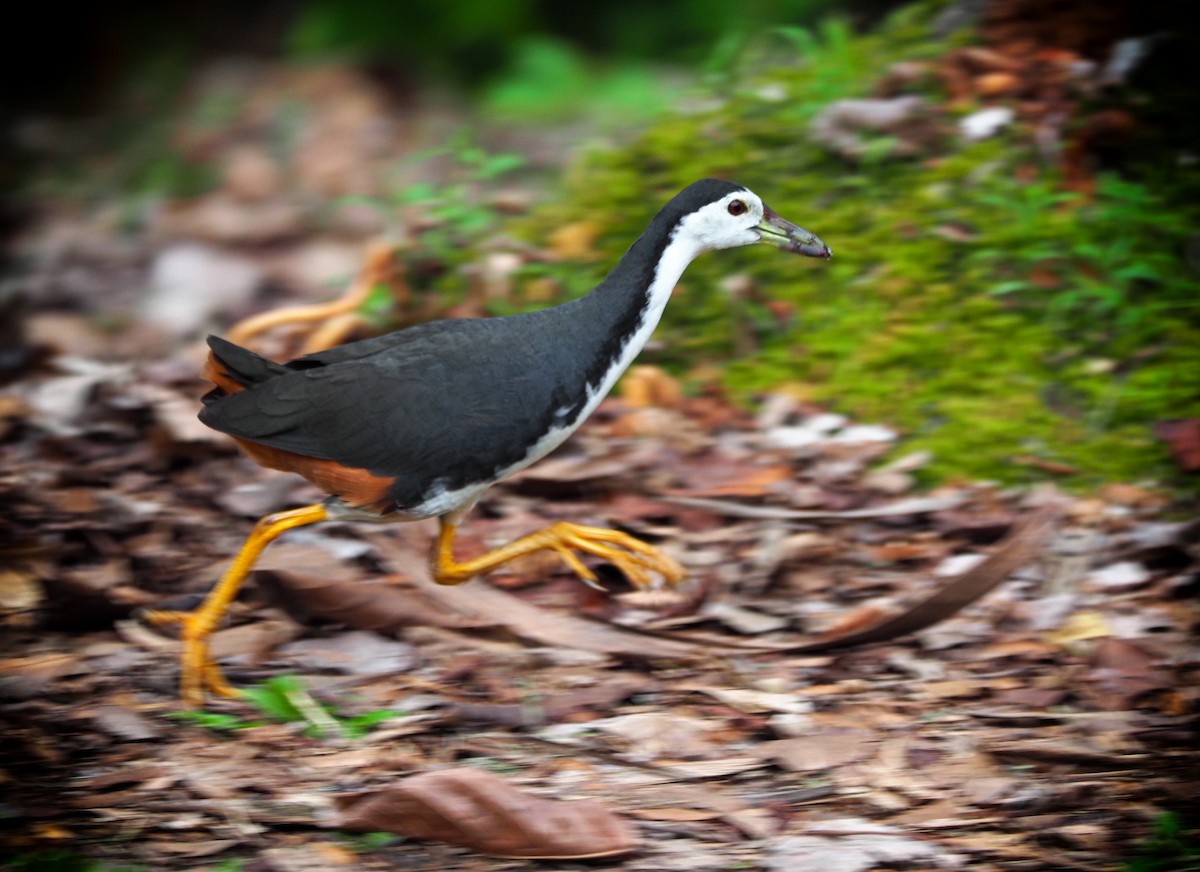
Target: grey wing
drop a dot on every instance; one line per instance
(424, 419)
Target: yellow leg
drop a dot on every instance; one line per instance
(199, 670)
(634, 558)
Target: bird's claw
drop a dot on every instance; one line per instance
(636, 560)
(199, 671)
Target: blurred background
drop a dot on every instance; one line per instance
(1011, 320)
(1010, 187)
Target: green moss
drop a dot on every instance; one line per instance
(988, 318)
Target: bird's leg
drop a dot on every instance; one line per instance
(637, 560)
(199, 670)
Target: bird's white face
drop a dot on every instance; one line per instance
(726, 223)
(741, 218)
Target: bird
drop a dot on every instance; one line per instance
(419, 423)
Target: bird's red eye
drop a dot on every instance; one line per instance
(737, 207)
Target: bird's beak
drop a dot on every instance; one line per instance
(778, 231)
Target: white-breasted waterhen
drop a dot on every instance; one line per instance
(420, 422)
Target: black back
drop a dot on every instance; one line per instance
(450, 403)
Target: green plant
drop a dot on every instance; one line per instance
(63, 861)
(284, 699)
(457, 211)
(1105, 274)
(452, 218)
(549, 80)
(1169, 848)
(361, 843)
(213, 720)
(1000, 321)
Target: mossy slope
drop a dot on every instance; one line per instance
(1006, 325)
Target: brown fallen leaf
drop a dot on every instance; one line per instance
(869, 625)
(813, 753)
(1122, 674)
(683, 803)
(555, 708)
(676, 815)
(1017, 550)
(574, 241)
(902, 551)
(482, 602)
(856, 621)
(484, 812)
(654, 734)
(646, 387)
(1183, 441)
(1057, 751)
(727, 508)
(27, 677)
(1054, 467)
(854, 844)
(245, 639)
(20, 589)
(724, 478)
(125, 724)
(366, 606)
(955, 688)
(384, 608)
(356, 652)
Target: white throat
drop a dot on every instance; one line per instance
(681, 250)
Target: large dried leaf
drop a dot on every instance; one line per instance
(1020, 547)
(868, 626)
(549, 628)
(815, 753)
(481, 602)
(482, 811)
(384, 608)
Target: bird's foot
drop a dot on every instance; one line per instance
(637, 561)
(199, 672)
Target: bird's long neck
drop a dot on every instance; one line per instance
(621, 313)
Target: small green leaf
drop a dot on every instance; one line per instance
(359, 725)
(273, 698)
(213, 720)
(1009, 287)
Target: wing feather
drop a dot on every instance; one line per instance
(442, 408)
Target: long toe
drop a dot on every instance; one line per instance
(216, 682)
(198, 671)
(636, 560)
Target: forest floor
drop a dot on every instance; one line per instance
(1048, 724)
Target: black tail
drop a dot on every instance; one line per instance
(233, 368)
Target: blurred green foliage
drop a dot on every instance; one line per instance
(1170, 847)
(284, 699)
(71, 861)
(472, 40)
(549, 79)
(541, 61)
(970, 301)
